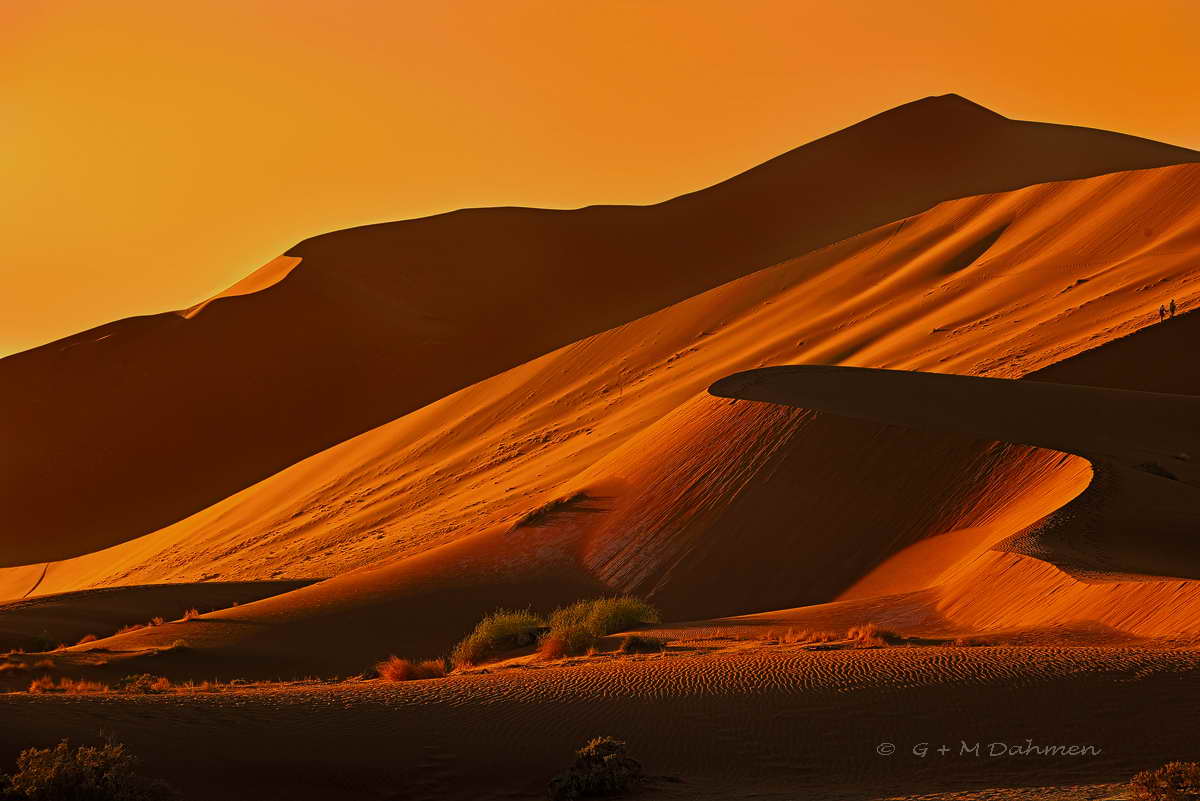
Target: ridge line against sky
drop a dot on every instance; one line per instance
(157, 153)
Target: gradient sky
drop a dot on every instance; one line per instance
(155, 152)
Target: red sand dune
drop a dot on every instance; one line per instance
(708, 508)
(373, 323)
(508, 407)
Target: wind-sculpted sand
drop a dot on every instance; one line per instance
(774, 720)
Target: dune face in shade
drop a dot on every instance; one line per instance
(376, 322)
(1140, 506)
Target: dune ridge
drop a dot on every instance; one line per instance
(408, 514)
(377, 322)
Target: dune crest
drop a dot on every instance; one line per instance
(377, 322)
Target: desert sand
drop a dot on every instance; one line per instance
(910, 375)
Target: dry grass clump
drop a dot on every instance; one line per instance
(1174, 781)
(601, 768)
(132, 627)
(62, 773)
(396, 669)
(46, 684)
(809, 636)
(190, 614)
(870, 635)
(144, 684)
(86, 639)
(566, 641)
(576, 628)
(502, 630)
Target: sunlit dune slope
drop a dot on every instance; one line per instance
(491, 453)
(145, 421)
(707, 507)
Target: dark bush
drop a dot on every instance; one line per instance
(86, 773)
(601, 768)
(1174, 781)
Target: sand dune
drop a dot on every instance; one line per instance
(1149, 431)
(390, 431)
(376, 322)
(49, 620)
(491, 453)
(686, 493)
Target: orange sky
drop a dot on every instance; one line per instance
(155, 152)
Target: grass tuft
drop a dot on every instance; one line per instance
(502, 630)
(396, 669)
(576, 628)
(46, 684)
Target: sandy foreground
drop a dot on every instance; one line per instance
(756, 721)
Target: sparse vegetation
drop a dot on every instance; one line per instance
(576, 628)
(1174, 781)
(396, 669)
(86, 773)
(86, 639)
(870, 635)
(190, 614)
(502, 630)
(143, 683)
(46, 684)
(601, 768)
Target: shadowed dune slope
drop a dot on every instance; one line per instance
(1113, 425)
(711, 508)
(49, 620)
(145, 421)
(1114, 548)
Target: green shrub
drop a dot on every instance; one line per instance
(502, 630)
(62, 773)
(576, 628)
(601, 768)
(1174, 781)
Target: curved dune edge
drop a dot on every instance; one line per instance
(264, 277)
(1103, 556)
(1123, 426)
